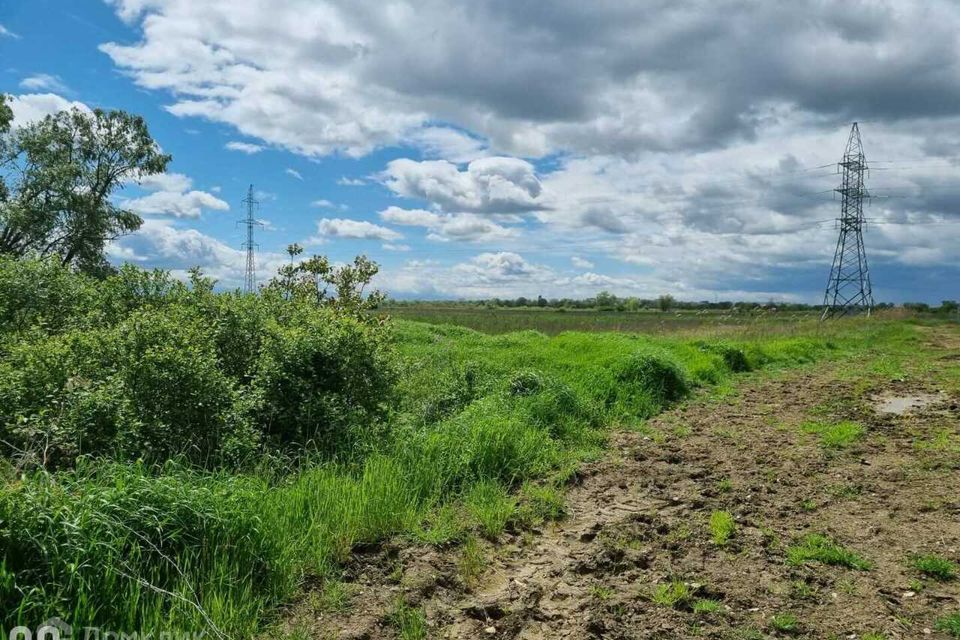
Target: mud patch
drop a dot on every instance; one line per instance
(902, 404)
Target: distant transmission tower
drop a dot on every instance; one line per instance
(250, 278)
(848, 290)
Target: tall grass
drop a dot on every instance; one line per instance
(130, 547)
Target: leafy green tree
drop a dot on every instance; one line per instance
(665, 302)
(66, 167)
(315, 279)
(6, 117)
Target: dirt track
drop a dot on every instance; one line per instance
(639, 518)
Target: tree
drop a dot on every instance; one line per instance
(312, 279)
(66, 167)
(6, 117)
(665, 302)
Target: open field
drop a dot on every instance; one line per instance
(341, 476)
(552, 321)
(804, 502)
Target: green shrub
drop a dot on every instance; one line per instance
(153, 369)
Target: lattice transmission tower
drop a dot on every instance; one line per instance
(250, 277)
(848, 290)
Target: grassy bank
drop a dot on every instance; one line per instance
(131, 546)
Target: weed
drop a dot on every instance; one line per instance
(472, 562)
(934, 566)
(443, 525)
(949, 623)
(874, 635)
(848, 586)
(601, 592)
(409, 622)
(725, 486)
(706, 606)
(491, 507)
(673, 594)
(540, 503)
(808, 505)
(334, 597)
(786, 622)
(837, 435)
(722, 527)
(844, 491)
(819, 548)
(801, 590)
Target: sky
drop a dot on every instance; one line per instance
(502, 148)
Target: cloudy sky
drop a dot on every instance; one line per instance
(515, 147)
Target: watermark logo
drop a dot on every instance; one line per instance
(57, 629)
(52, 629)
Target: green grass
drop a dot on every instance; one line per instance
(949, 623)
(491, 507)
(786, 622)
(722, 527)
(475, 417)
(539, 504)
(839, 435)
(819, 548)
(706, 606)
(934, 566)
(672, 594)
(472, 562)
(409, 622)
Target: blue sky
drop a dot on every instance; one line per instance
(505, 149)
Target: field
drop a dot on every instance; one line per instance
(551, 321)
(346, 476)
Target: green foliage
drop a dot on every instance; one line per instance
(409, 622)
(706, 606)
(819, 548)
(491, 507)
(835, 435)
(675, 593)
(67, 167)
(786, 622)
(141, 366)
(472, 562)
(722, 527)
(540, 503)
(934, 566)
(949, 623)
(106, 543)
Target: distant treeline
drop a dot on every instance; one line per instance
(605, 301)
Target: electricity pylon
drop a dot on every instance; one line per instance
(848, 290)
(250, 277)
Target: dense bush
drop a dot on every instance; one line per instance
(142, 366)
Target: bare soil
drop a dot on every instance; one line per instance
(639, 518)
